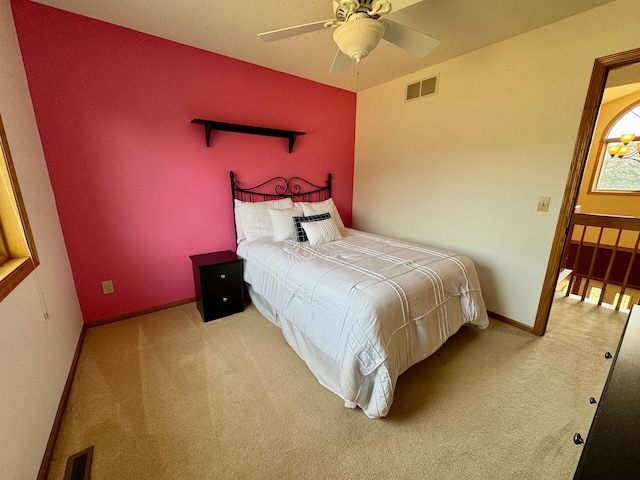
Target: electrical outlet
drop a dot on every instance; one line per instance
(543, 204)
(107, 286)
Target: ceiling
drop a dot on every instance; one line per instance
(622, 82)
(230, 28)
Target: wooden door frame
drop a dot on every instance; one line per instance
(601, 68)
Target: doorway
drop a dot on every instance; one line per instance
(601, 69)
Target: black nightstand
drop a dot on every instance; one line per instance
(218, 280)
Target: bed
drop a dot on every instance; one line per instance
(358, 308)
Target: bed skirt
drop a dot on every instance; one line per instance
(324, 368)
(375, 394)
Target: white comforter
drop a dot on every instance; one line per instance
(362, 310)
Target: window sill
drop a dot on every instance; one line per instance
(12, 272)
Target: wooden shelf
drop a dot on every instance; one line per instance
(233, 127)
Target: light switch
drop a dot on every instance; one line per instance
(543, 204)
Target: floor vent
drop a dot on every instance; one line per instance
(79, 465)
(423, 88)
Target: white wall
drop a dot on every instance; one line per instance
(464, 169)
(35, 353)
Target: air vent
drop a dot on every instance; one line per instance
(79, 465)
(423, 88)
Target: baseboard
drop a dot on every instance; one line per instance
(48, 453)
(511, 322)
(137, 313)
(51, 443)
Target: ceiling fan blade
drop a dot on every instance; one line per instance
(341, 62)
(292, 31)
(400, 4)
(409, 39)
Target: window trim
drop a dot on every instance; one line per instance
(601, 155)
(18, 266)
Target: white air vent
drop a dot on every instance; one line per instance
(423, 88)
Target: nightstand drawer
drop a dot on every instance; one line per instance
(222, 275)
(220, 302)
(219, 287)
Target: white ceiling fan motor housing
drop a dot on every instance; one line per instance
(359, 35)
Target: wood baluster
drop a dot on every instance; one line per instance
(628, 273)
(609, 268)
(578, 283)
(574, 268)
(593, 262)
(565, 255)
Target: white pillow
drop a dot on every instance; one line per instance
(316, 208)
(322, 231)
(282, 222)
(253, 220)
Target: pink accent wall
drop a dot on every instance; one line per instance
(136, 188)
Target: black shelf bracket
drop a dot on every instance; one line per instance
(233, 127)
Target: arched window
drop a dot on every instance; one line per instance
(619, 167)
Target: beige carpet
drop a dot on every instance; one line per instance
(166, 396)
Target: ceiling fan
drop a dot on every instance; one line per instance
(359, 28)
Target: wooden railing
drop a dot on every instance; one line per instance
(602, 248)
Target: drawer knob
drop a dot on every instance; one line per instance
(224, 299)
(578, 440)
(223, 276)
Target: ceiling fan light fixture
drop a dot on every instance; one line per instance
(358, 37)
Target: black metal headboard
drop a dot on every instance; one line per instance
(296, 188)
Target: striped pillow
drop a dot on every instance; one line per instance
(301, 235)
(323, 231)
